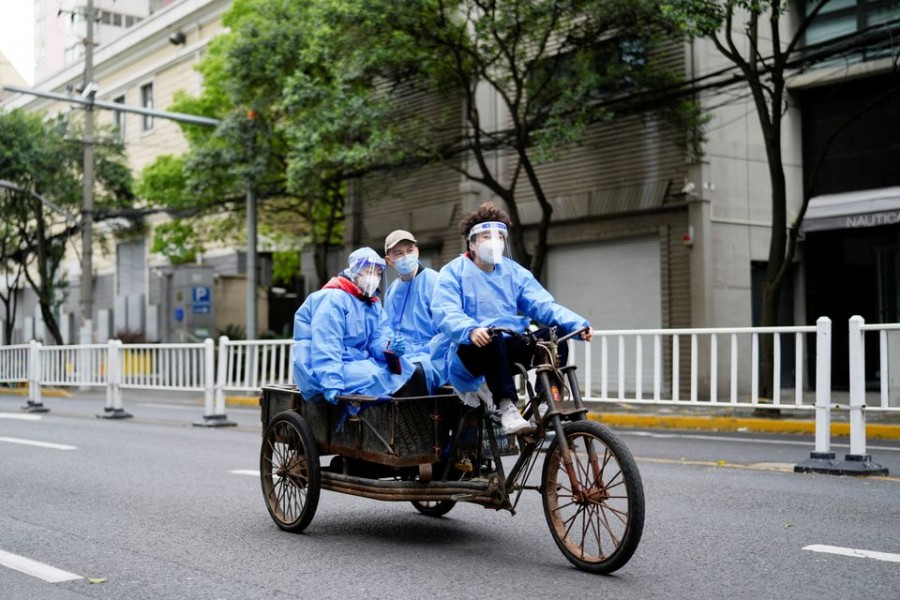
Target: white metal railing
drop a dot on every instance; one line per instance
(14, 364)
(84, 365)
(858, 406)
(715, 360)
(251, 365)
(717, 367)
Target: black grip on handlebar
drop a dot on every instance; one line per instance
(578, 331)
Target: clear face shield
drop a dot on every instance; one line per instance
(488, 243)
(368, 275)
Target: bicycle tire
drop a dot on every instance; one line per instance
(289, 472)
(599, 531)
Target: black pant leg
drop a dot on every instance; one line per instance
(493, 362)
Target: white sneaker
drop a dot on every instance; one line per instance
(542, 410)
(512, 422)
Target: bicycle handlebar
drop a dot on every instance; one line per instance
(578, 331)
(527, 334)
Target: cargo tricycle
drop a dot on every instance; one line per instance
(435, 451)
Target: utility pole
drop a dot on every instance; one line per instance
(87, 208)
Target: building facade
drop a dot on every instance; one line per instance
(642, 236)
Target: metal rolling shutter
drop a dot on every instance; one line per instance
(614, 285)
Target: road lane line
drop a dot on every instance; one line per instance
(20, 417)
(35, 568)
(886, 556)
(244, 472)
(39, 444)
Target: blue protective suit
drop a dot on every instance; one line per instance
(509, 296)
(339, 343)
(408, 306)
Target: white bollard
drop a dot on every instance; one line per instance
(34, 403)
(114, 408)
(213, 415)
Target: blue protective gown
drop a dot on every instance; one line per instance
(408, 306)
(509, 296)
(339, 343)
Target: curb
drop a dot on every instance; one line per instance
(45, 393)
(242, 401)
(873, 430)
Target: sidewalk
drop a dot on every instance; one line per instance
(879, 425)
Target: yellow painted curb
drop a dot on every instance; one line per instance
(873, 430)
(242, 400)
(49, 393)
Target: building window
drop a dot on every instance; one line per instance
(119, 117)
(147, 102)
(842, 18)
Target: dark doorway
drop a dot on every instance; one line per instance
(849, 272)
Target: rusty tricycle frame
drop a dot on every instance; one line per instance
(434, 451)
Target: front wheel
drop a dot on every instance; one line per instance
(289, 470)
(598, 521)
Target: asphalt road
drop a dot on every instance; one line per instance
(152, 507)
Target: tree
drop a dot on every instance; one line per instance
(555, 66)
(42, 159)
(765, 59)
(243, 72)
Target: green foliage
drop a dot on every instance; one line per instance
(162, 182)
(177, 241)
(45, 159)
(285, 267)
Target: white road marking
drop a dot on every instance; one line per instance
(38, 444)
(20, 417)
(886, 556)
(244, 472)
(35, 568)
(741, 440)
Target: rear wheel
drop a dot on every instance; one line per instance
(434, 508)
(598, 525)
(289, 471)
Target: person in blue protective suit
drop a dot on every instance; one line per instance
(343, 343)
(407, 303)
(485, 288)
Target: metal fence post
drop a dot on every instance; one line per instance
(858, 462)
(34, 403)
(213, 416)
(114, 408)
(821, 460)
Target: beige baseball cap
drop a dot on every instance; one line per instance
(395, 237)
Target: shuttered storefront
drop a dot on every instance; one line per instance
(614, 284)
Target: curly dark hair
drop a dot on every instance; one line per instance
(485, 212)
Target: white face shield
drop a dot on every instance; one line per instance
(369, 280)
(488, 242)
(367, 272)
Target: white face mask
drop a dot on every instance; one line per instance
(406, 264)
(368, 284)
(491, 251)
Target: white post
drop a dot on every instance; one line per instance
(110, 379)
(823, 385)
(34, 403)
(209, 381)
(214, 415)
(857, 387)
(113, 408)
(221, 374)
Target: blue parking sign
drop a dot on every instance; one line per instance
(201, 294)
